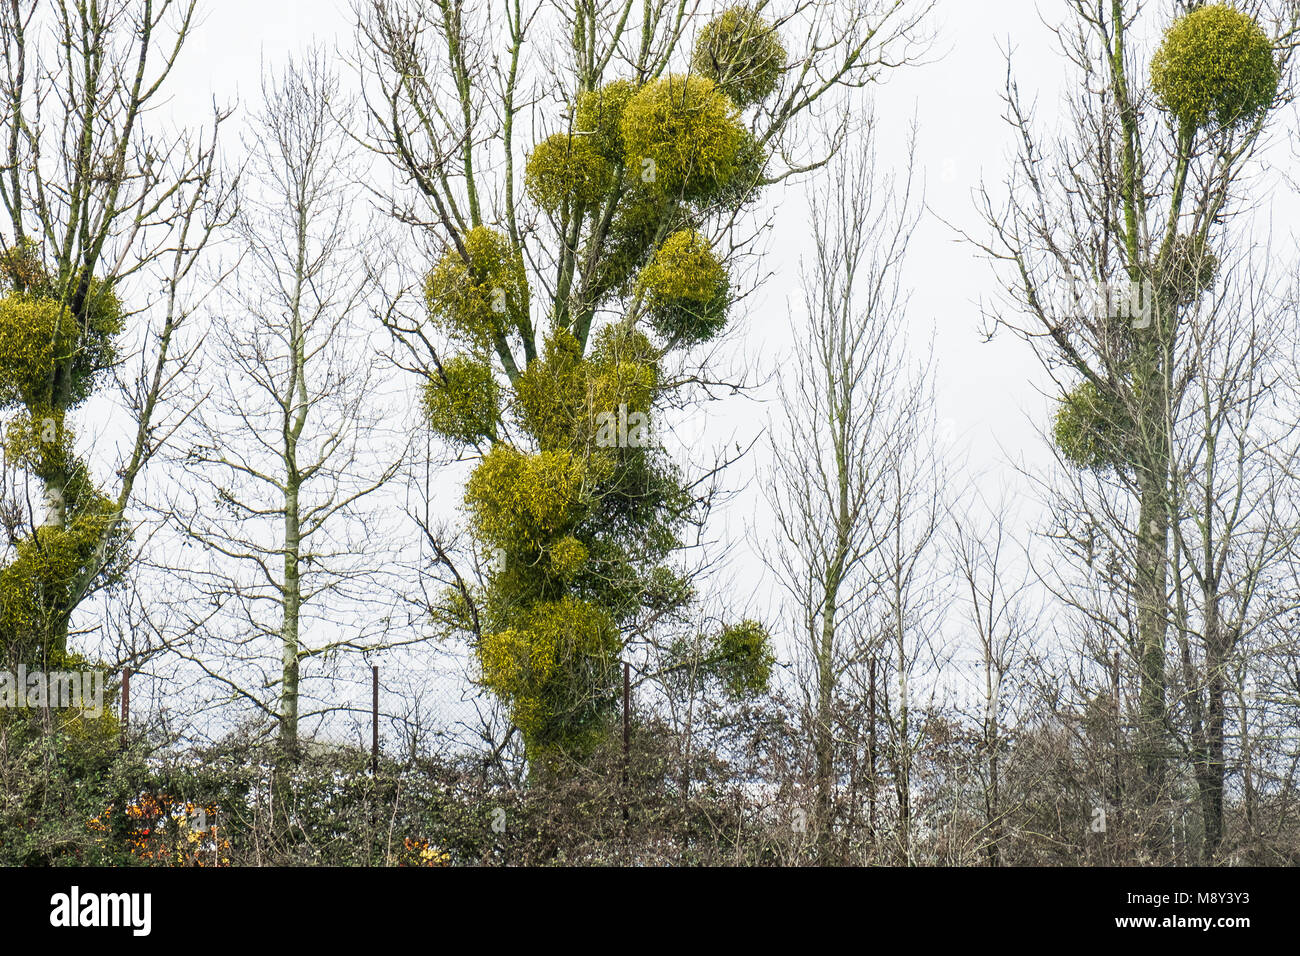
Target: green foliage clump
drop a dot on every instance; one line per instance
(463, 403)
(599, 115)
(541, 666)
(567, 556)
(48, 563)
(39, 336)
(666, 590)
(686, 288)
(742, 53)
(561, 395)
(36, 335)
(580, 525)
(550, 392)
(566, 170)
(624, 371)
(631, 238)
(40, 443)
(619, 343)
(57, 334)
(745, 658)
(521, 501)
(1216, 63)
(1094, 430)
(22, 270)
(617, 383)
(749, 178)
(38, 587)
(44, 346)
(682, 136)
(480, 301)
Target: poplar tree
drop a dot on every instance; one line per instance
(96, 202)
(1110, 239)
(577, 273)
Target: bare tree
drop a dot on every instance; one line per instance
(1236, 527)
(995, 579)
(852, 479)
(285, 459)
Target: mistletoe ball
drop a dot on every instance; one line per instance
(1215, 65)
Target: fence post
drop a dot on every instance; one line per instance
(126, 704)
(374, 718)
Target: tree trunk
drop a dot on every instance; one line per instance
(871, 749)
(1152, 559)
(824, 743)
(1210, 772)
(289, 626)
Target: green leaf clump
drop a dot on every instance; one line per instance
(480, 297)
(599, 114)
(1094, 430)
(686, 288)
(683, 135)
(567, 170)
(745, 656)
(51, 355)
(1215, 64)
(542, 667)
(462, 404)
(522, 500)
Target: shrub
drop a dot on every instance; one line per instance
(748, 180)
(47, 564)
(550, 392)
